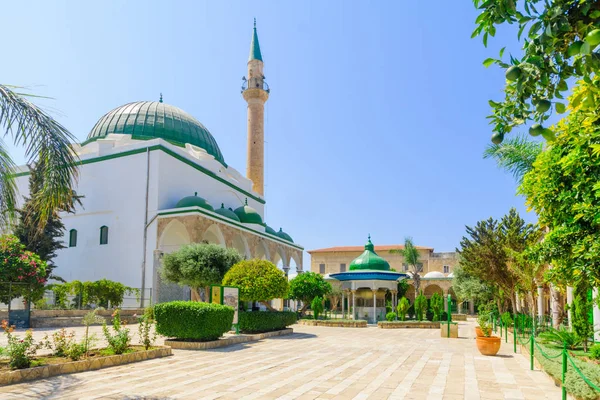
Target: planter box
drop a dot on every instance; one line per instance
(408, 325)
(29, 374)
(359, 323)
(459, 317)
(67, 318)
(227, 341)
(453, 330)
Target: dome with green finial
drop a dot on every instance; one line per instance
(369, 260)
(284, 235)
(248, 215)
(227, 213)
(194, 201)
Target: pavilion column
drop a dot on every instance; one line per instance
(596, 316)
(374, 306)
(394, 301)
(570, 303)
(353, 304)
(445, 295)
(540, 293)
(342, 304)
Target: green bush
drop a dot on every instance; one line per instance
(265, 321)
(317, 306)
(390, 316)
(595, 351)
(403, 307)
(192, 320)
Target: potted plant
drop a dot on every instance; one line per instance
(487, 344)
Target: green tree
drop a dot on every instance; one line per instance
(411, 258)
(558, 41)
(258, 280)
(316, 306)
(420, 306)
(22, 273)
(515, 155)
(437, 306)
(307, 286)
(403, 306)
(47, 145)
(334, 295)
(581, 310)
(198, 265)
(468, 287)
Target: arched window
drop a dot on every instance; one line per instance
(73, 238)
(104, 235)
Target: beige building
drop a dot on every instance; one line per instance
(435, 268)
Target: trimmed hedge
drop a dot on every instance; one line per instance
(190, 320)
(265, 321)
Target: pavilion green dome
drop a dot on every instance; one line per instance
(270, 230)
(369, 260)
(145, 120)
(248, 215)
(227, 213)
(284, 235)
(194, 201)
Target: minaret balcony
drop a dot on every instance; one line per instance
(255, 83)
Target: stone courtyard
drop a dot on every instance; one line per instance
(313, 363)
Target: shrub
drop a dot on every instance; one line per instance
(258, 280)
(595, 352)
(420, 307)
(307, 286)
(20, 351)
(560, 336)
(146, 321)
(317, 306)
(188, 320)
(119, 341)
(61, 341)
(265, 321)
(403, 306)
(437, 306)
(390, 316)
(506, 319)
(485, 323)
(20, 266)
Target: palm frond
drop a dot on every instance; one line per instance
(7, 186)
(46, 143)
(515, 155)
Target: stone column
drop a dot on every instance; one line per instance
(471, 307)
(157, 255)
(445, 295)
(596, 316)
(342, 304)
(353, 304)
(540, 292)
(555, 307)
(570, 303)
(374, 306)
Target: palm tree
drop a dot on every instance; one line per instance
(47, 146)
(515, 155)
(411, 258)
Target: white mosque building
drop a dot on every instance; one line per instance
(153, 179)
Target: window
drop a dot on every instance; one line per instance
(420, 267)
(321, 268)
(404, 267)
(342, 267)
(104, 235)
(73, 238)
(446, 269)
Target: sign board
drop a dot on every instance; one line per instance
(231, 298)
(216, 295)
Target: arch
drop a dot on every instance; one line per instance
(410, 293)
(296, 260)
(240, 243)
(73, 238)
(214, 235)
(261, 251)
(173, 237)
(431, 289)
(279, 256)
(104, 234)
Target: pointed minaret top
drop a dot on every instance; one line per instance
(254, 46)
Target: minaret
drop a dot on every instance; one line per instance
(255, 92)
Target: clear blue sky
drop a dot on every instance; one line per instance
(376, 120)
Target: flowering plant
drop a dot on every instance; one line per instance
(24, 269)
(20, 351)
(119, 341)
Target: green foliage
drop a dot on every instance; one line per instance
(402, 288)
(118, 341)
(198, 264)
(20, 351)
(63, 344)
(580, 311)
(561, 336)
(506, 319)
(317, 306)
(556, 49)
(390, 316)
(411, 258)
(89, 319)
(146, 322)
(258, 280)
(563, 190)
(468, 287)
(308, 285)
(437, 306)
(485, 323)
(403, 306)
(420, 306)
(265, 321)
(595, 351)
(515, 155)
(101, 293)
(189, 320)
(22, 267)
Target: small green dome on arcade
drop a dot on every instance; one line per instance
(284, 235)
(369, 260)
(227, 213)
(270, 230)
(194, 201)
(248, 215)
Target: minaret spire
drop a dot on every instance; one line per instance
(256, 93)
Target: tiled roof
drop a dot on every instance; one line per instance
(343, 249)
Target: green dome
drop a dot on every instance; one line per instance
(284, 236)
(227, 213)
(248, 215)
(369, 260)
(145, 120)
(270, 230)
(194, 201)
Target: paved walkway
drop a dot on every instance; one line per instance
(314, 362)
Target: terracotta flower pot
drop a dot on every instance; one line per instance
(488, 346)
(478, 331)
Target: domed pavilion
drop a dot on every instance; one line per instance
(367, 281)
